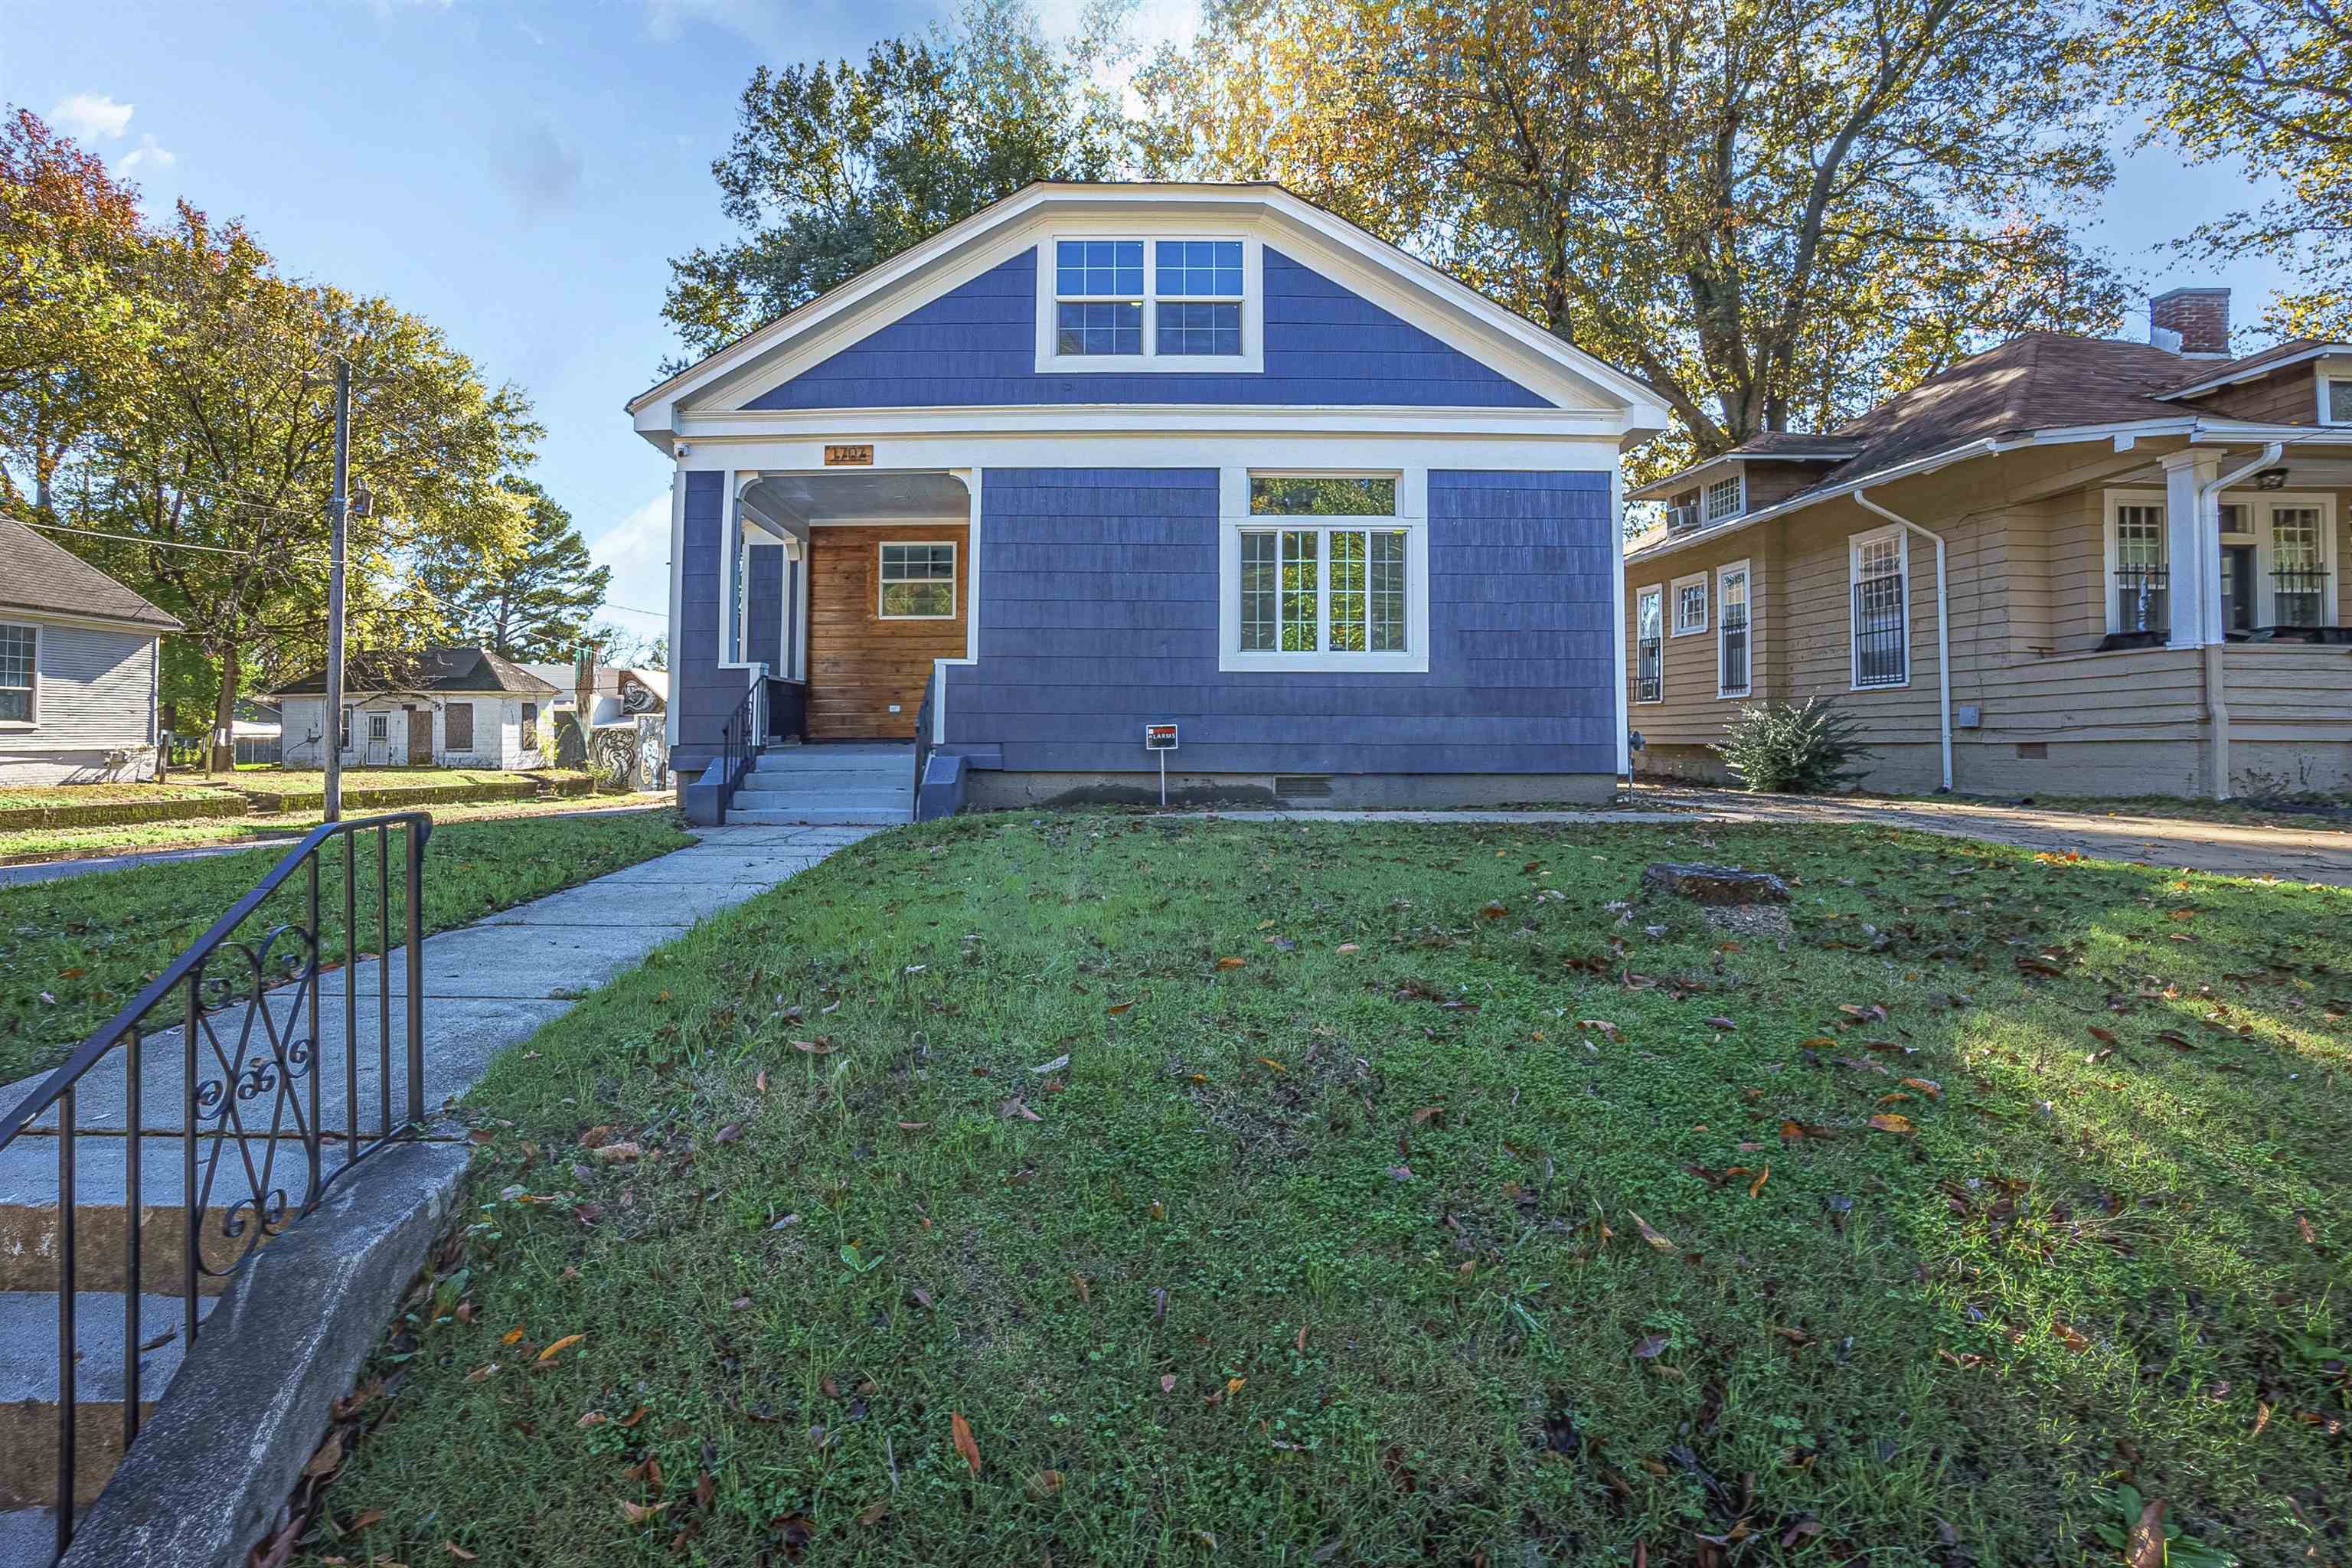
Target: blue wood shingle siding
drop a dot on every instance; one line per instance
(706, 695)
(978, 344)
(1099, 615)
(767, 605)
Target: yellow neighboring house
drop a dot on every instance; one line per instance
(2067, 565)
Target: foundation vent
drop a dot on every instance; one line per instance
(1301, 787)
(2033, 750)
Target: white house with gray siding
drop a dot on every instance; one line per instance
(1104, 457)
(445, 707)
(80, 661)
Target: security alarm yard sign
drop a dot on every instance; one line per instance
(1160, 737)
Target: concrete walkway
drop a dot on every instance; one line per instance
(2292, 855)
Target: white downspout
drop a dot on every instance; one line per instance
(1943, 628)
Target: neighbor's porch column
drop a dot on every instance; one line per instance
(2193, 546)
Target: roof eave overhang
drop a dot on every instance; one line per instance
(1683, 479)
(2124, 436)
(660, 413)
(2256, 372)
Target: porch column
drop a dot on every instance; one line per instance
(2193, 546)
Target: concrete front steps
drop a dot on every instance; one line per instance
(870, 785)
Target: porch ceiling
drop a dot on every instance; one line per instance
(872, 496)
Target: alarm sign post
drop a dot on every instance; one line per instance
(1160, 738)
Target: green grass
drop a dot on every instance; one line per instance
(1332, 1256)
(73, 952)
(23, 796)
(294, 779)
(69, 842)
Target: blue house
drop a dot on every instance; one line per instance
(1204, 461)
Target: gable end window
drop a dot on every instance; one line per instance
(1731, 630)
(1727, 498)
(1880, 579)
(1650, 643)
(2336, 400)
(19, 649)
(1690, 605)
(1135, 303)
(1323, 572)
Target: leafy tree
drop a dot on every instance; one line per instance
(77, 318)
(2269, 81)
(837, 167)
(231, 447)
(655, 653)
(534, 604)
(1773, 214)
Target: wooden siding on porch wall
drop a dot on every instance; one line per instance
(859, 663)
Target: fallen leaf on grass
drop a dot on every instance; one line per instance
(637, 1513)
(558, 1348)
(1720, 1023)
(511, 1335)
(1648, 1347)
(961, 1430)
(1965, 1360)
(2145, 1547)
(1425, 1112)
(1493, 911)
(1756, 1186)
(1890, 1121)
(730, 1132)
(478, 1374)
(813, 1048)
(1650, 1234)
(2069, 1337)
(1116, 1009)
(459, 1553)
(1013, 1107)
(330, 1455)
(1231, 962)
(1086, 1291)
(913, 1126)
(1168, 1384)
(1347, 947)
(874, 1515)
(1927, 1086)
(1602, 1024)
(1269, 1061)
(760, 1080)
(1044, 1484)
(615, 1154)
(2262, 1418)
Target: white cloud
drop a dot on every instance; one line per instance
(637, 550)
(149, 154)
(87, 116)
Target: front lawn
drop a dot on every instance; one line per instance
(26, 797)
(1094, 1189)
(83, 843)
(73, 952)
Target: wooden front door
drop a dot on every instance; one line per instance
(420, 736)
(878, 618)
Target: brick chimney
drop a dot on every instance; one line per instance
(2199, 315)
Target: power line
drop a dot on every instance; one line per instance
(135, 538)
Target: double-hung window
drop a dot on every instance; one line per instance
(1189, 302)
(1323, 572)
(2143, 580)
(918, 581)
(19, 647)
(2336, 399)
(1650, 643)
(1877, 562)
(1690, 605)
(2299, 568)
(1731, 617)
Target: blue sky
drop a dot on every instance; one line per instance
(520, 171)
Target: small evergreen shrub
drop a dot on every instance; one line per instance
(1793, 748)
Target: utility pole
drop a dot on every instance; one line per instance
(338, 519)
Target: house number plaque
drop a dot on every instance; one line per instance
(857, 457)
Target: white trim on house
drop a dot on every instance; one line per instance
(1682, 626)
(1589, 394)
(1651, 591)
(1235, 520)
(1736, 503)
(2330, 375)
(2261, 506)
(2269, 367)
(1856, 544)
(1623, 707)
(1251, 299)
(1725, 576)
(31, 722)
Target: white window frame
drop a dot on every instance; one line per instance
(882, 582)
(1658, 592)
(1676, 628)
(2260, 506)
(1855, 545)
(1738, 483)
(32, 720)
(1251, 360)
(2327, 375)
(1411, 517)
(1724, 573)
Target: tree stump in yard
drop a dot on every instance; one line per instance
(1716, 885)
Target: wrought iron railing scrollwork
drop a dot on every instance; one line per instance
(262, 1135)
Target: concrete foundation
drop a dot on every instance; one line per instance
(989, 789)
(2012, 769)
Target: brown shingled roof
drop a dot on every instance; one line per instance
(433, 669)
(43, 576)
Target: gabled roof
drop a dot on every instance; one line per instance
(43, 576)
(1431, 298)
(456, 671)
(2295, 350)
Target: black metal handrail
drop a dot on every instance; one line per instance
(923, 744)
(739, 742)
(225, 1145)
